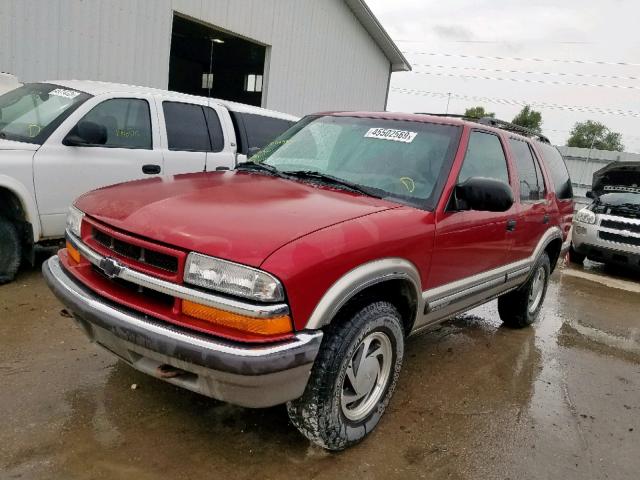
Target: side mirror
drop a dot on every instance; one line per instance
(252, 151)
(484, 194)
(86, 133)
(590, 194)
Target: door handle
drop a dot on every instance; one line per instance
(511, 225)
(151, 169)
(545, 219)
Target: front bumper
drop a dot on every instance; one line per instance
(245, 375)
(588, 240)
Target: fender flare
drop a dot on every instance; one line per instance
(27, 202)
(359, 278)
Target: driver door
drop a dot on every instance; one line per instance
(129, 152)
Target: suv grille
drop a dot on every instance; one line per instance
(614, 237)
(134, 252)
(614, 224)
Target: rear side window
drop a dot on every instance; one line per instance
(557, 170)
(126, 120)
(215, 129)
(262, 130)
(187, 128)
(485, 158)
(529, 174)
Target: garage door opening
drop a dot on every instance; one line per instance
(212, 63)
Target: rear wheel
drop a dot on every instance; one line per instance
(353, 378)
(10, 251)
(521, 307)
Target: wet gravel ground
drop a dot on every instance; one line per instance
(560, 400)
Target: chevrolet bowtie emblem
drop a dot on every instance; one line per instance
(110, 267)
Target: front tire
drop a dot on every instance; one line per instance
(10, 251)
(353, 378)
(521, 307)
(575, 257)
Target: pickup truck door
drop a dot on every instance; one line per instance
(193, 138)
(64, 169)
(472, 243)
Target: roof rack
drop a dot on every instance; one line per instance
(494, 122)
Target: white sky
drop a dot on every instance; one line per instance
(586, 30)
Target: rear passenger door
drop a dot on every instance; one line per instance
(533, 216)
(193, 139)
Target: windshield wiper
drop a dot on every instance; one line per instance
(331, 180)
(259, 167)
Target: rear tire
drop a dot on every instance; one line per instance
(575, 257)
(521, 307)
(353, 378)
(10, 251)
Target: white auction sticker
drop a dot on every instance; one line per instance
(61, 92)
(391, 134)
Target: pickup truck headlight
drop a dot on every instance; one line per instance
(586, 216)
(228, 277)
(74, 221)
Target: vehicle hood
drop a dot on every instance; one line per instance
(12, 145)
(617, 176)
(238, 216)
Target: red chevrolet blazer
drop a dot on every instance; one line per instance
(298, 277)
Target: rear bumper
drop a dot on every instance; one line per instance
(246, 375)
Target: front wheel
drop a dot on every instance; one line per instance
(575, 257)
(353, 378)
(521, 307)
(10, 250)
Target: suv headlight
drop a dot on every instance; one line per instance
(74, 221)
(228, 277)
(586, 216)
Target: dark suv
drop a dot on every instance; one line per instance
(298, 277)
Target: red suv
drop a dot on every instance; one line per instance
(298, 277)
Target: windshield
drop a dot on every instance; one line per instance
(32, 112)
(403, 161)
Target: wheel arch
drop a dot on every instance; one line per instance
(393, 279)
(17, 203)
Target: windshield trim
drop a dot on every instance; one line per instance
(46, 132)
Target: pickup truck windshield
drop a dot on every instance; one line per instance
(32, 112)
(403, 161)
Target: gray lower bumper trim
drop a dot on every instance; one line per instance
(141, 330)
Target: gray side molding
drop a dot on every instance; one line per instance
(358, 279)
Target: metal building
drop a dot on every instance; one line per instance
(583, 162)
(296, 56)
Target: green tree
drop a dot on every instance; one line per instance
(529, 118)
(596, 135)
(478, 112)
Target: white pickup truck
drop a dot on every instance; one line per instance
(60, 139)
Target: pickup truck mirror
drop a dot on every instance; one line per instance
(484, 194)
(590, 194)
(86, 133)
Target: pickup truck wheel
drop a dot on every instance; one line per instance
(10, 251)
(353, 378)
(575, 257)
(521, 307)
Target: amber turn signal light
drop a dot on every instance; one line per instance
(73, 252)
(259, 326)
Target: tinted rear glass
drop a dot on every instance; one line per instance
(261, 130)
(557, 170)
(187, 128)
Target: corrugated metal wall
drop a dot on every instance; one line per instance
(321, 58)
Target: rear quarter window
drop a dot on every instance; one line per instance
(262, 130)
(557, 169)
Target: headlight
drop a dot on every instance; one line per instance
(231, 278)
(74, 221)
(586, 216)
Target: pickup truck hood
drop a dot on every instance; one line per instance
(11, 145)
(625, 175)
(239, 216)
